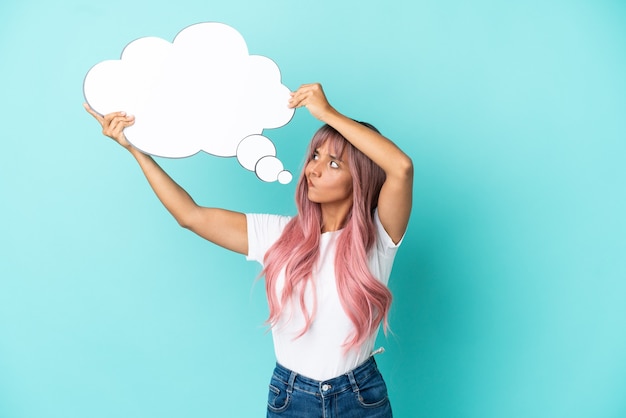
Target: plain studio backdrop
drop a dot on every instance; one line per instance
(510, 286)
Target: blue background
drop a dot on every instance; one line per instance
(510, 290)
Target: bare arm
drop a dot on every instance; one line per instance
(223, 227)
(395, 200)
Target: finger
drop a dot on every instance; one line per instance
(297, 102)
(93, 113)
(299, 96)
(118, 124)
(300, 89)
(116, 128)
(292, 100)
(303, 89)
(109, 117)
(310, 87)
(113, 127)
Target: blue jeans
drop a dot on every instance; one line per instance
(360, 393)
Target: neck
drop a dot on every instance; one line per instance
(334, 216)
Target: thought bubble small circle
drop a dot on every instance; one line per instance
(268, 168)
(252, 148)
(284, 177)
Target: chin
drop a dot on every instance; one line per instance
(312, 198)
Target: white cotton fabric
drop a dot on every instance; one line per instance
(319, 353)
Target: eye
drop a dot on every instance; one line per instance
(315, 156)
(334, 164)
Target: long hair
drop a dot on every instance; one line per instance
(365, 300)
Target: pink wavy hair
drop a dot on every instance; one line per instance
(365, 300)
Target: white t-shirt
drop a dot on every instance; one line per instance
(318, 353)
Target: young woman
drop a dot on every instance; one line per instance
(326, 269)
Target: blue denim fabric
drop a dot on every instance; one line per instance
(360, 393)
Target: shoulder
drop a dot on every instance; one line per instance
(261, 222)
(263, 231)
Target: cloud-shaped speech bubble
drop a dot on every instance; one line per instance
(202, 92)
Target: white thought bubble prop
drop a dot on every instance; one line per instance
(202, 92)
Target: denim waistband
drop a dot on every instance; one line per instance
(348, 381)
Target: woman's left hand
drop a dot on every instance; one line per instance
(313, 98)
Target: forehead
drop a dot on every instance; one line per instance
(330, 147)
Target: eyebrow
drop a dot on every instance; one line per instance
(334, 157)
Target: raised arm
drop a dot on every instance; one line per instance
(223, 227)
(394, 202)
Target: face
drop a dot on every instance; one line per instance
(328, 176)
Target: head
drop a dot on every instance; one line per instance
(336, 172)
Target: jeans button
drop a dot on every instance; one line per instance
(325, 387)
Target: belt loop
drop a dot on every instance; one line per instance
(355, 387)
(292, 378)
(379, 350)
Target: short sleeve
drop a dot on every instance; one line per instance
(380, 259)
(263, 231)
(384, 240)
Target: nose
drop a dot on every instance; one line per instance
(313, 168)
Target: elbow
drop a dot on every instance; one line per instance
(403, 168)
(185, 221)
(189, 217)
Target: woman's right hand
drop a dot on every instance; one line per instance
(113, 125)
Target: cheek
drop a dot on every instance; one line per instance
(345, 183)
